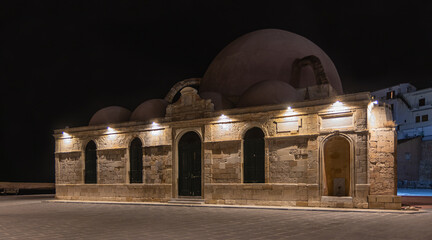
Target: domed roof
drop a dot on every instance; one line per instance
(219, 102)
(153, 108)
(112, 114)
(268, 92)
(265, 55)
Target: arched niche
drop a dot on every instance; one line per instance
(337, 175)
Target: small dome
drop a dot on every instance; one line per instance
(112, 114)
(263, 55)
(153, 108)
(217, 99)
(268, 92)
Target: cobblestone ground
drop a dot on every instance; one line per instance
(26, 217)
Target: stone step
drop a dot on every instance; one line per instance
(196, 201)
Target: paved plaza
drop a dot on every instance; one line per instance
(29, 217)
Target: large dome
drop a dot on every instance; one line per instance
(112, 114)
(265, 55)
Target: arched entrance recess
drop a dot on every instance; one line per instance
(189, 152)
(136, 161)
(90, 170)
(337, 176)
(253, 157)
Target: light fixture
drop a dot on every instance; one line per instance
(337, 104)
(110, 130)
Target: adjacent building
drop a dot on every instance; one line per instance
(412, 111)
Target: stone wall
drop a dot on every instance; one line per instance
(382, 162)
(222, 162)
(262, 194)
(157, 164)
(114, 192)
(69, 167)
(361, 158)
(293, 160)
(111, 166)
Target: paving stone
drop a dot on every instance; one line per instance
(27, 217)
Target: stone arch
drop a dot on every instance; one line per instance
(337, 167)
(179, 86)
(249, 126)
(317, 67)
(131, 137)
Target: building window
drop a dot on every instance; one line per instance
(425, 118)
(90, 171)
(422, 102)
(136, 161)
(253, 156)
(417, 119)
(391, 95)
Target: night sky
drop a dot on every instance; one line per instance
(61, 61)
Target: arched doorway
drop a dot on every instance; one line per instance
(90, 163)
(136, 161)
(189, 152)
(337, 167)
(254, 164)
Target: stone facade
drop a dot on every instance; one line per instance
(294, 154)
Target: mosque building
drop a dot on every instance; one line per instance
(267, 124)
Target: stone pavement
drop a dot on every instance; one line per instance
(27, 217)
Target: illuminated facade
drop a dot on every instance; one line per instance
(301, 143)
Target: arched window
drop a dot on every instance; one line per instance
(337, 167)
(253, 146)
(90, 163)
(136, 161)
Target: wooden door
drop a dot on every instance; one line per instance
(189, 151)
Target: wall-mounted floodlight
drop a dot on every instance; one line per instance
(289, 111)
(110, 130)
(337, 106)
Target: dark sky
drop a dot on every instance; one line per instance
(61, 61)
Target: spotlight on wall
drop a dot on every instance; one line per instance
(337, 104)
(289, 111)
(110, 130)
(155, 125)
(67, 135)
(224, 120)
